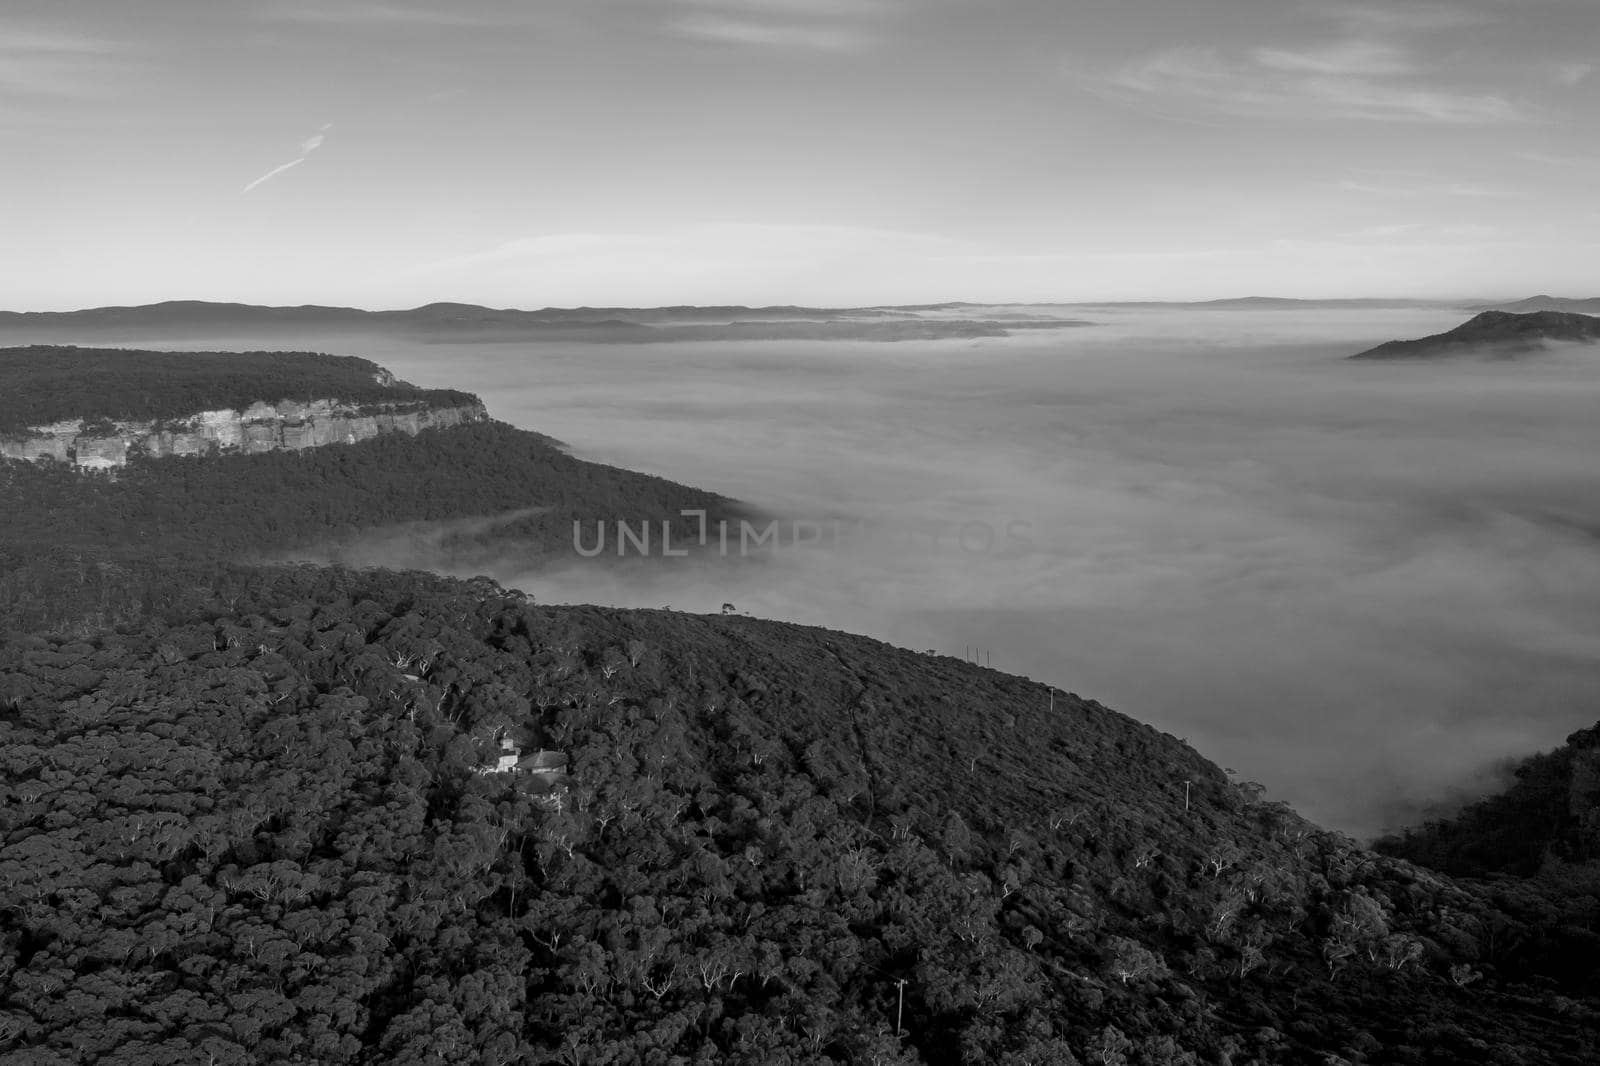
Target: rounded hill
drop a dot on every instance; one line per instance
(1495, 334)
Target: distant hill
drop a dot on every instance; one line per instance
(1494, 334)
(1273, 303)
(1547, 303)
(208, 313)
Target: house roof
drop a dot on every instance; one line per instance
(543, 760)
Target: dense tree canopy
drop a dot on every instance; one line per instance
(227, 506)
(52, 383)
(107, 545)
(1549, 818)
(257, 833)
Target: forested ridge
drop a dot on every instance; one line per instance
(257, 834)
(54, 383)
(225, 506)
(94, 548)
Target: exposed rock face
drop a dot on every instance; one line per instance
(261, 427)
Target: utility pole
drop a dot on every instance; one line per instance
(1186, 796)
(900, 1011)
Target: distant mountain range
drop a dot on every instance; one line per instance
(1276, 303)
(202, 312)
(1495, 334)
(470, 322)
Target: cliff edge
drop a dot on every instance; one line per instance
(260, 427)
(95, 408)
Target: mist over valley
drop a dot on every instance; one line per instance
(1367, 586)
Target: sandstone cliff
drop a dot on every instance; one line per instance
(261, 427)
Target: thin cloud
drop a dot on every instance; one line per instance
(49, 63)
(371, 15)
(15, 39)
(741, 244)
(1424, 189)
(1369, 70)
(307, 146)
(1391, 229)
(1388, 233)
(1338, 82)
(1411, 17)
(826, 38)
(1572, 74)
(1343, 58)
(791, 25)
(1556, 160)
(274, 172)
(807, 8)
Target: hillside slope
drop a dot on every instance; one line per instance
(258, 833)
(91, 550)
(1495, 334)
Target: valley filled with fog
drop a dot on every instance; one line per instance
(1363, 585)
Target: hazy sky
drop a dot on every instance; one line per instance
(535, 152)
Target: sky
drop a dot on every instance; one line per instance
(528, 153)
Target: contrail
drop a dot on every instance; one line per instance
(307, 146)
